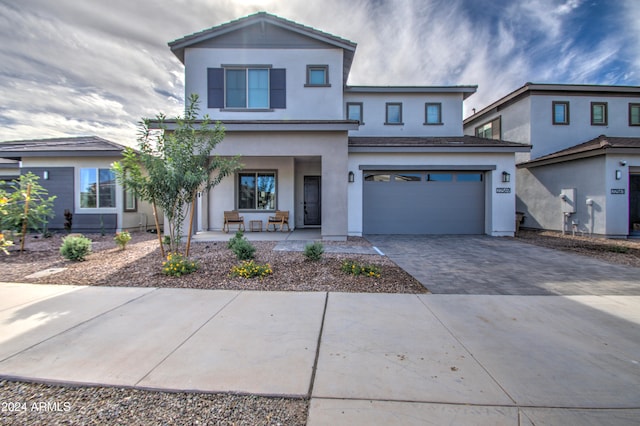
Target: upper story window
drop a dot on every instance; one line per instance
(560, 112)
(246, 88)
(598, 113)
(433, 113)
(490, 130)
(97, 188)
(354, 111)
(634, 114)
(393, 113)
(317, 76)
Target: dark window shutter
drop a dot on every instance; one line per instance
(215, 87)
(278, 84)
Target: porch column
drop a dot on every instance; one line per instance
(334, 193)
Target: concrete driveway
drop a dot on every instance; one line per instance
(455, 264)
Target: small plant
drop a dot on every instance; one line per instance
(68, 220)
(4, 244)
(122, 238)
(239, 236)
(244, 250)
(177, 265)
(355, 268)
(166, 240)
(250, 269)
(313, 251)
(75, 247)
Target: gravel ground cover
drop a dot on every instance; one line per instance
(139, 265)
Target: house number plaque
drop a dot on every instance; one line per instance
(503, 190)
(617, 191)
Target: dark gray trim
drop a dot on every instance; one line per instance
(426, 120)
(247, 66)
(553, 113)
(236, 197)
(276, 125)
(361, 105)
(497, 119)
(466, 91)
(605, 113)
(633, 105)
(14, 155)
(325, 68)
(423, 167)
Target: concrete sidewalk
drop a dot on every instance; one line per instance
(361, 358)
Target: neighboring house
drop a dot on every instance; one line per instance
(9, 169)
(583, 172)
(78, 171)
(350, 160)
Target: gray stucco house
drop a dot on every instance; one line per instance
(350, 160)
(583, 172)
(78, 171)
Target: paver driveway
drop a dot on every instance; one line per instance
(455, 264)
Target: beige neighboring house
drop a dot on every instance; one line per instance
(78, 171)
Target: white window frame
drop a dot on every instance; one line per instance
(78, 190)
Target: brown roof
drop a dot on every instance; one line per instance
(433, 141)
(71, 146)
(598, 146)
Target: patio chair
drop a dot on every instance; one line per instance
(233, 218)
(280, 219)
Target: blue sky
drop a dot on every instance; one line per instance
(90, 67)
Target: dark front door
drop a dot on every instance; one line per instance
(634, 204)
(312, 200)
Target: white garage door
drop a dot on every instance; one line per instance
(423, 202)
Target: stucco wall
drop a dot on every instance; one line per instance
(547, 138)
(278, 150)
(413, 114)
(310, 103)
(539, 190)
(499, 207)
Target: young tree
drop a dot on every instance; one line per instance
(172, 166)
(28, 205)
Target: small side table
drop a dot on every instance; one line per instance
(255, 225)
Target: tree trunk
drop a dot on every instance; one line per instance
(26, 216)
(190, 229)
(155, 216)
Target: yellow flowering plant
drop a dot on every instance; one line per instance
(355, 268)
(177, 265)
(250, 269)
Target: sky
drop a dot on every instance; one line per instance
(95, 67)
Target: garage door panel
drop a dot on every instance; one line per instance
(423, 207)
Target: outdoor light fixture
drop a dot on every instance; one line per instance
(618, 175)
(352, 177)
(45, 175)
(506, 177)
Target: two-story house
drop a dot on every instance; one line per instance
(351, 160)
(583, 171)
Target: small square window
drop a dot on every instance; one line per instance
(560, 112)
(317, 75)
(433, 113)
(634, 114)
(393, 113)
(598, 113)
(354, 111)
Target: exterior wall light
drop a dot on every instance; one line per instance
(506, 177)
(352, 177)
(45, 175)
(618, 175)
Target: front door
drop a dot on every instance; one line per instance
(312, 200)
(634, 204)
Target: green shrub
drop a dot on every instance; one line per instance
(122, 238)
(313, 251)
(177, 265)
(166, 240)
(244, 250)
(355, 268)
(250, 269)
(239, 236)
(75, 247)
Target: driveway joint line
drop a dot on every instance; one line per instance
(468, 351)
(315, 361)
(154, 289)
(215, 314)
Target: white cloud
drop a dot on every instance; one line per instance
(95, 67)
